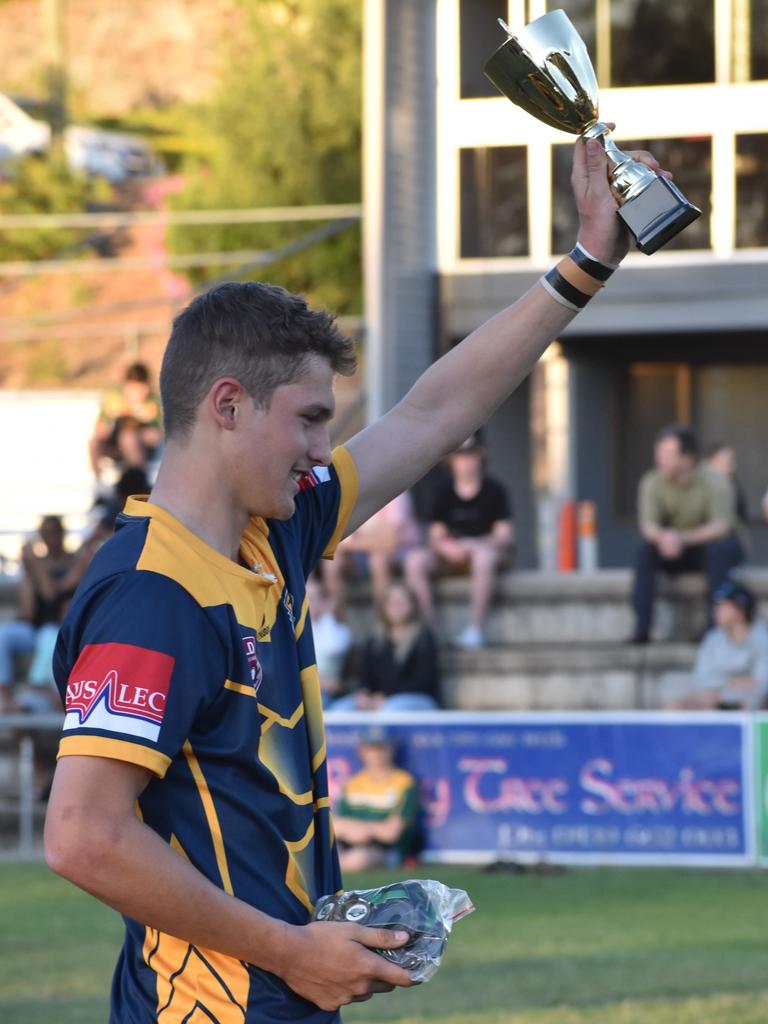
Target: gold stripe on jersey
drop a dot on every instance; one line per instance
(247, 691)
(302, 618)
(176, 845)
(195, 984)
(210, 815)
(347, 473)
(273, 718)
(313, 705)
(300, 866)
(279, 757)
(117, 750)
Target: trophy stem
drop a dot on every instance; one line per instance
(628, 178)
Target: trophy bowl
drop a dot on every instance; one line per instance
(546, 70)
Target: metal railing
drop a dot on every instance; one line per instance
(25, 728)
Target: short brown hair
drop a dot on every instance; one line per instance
(260, 334)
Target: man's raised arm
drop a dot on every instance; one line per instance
(461, 390)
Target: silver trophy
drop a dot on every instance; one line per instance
(546, 70)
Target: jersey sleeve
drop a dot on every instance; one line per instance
(135, 667)
(323, 508)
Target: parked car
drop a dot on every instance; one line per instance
(20, 134)
(116, 156)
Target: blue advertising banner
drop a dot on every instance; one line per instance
(635, 788)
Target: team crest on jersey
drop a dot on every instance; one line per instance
(254, 665)
(119, 688)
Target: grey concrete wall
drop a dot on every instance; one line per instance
(641, 297)
(409, 242)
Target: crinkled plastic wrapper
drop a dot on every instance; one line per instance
(424, 908)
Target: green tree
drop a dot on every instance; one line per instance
(41, 184)
(286, 124)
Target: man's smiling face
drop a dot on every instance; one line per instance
(280, 444)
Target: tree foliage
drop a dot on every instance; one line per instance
(286, 124)
(44, 184)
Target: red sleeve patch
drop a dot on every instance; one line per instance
(120, 688)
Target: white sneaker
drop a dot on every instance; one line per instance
(470, 638)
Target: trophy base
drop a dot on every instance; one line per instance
(657, 214)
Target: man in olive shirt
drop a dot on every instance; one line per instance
(687, 518)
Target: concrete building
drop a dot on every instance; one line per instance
(467, 203)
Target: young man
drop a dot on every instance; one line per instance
(47, 583)
(128, 428)
(470, 530)
(191, 790)
(376, 820)
(731, 670)
(687, 518)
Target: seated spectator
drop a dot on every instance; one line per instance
(470, 530)
(128, 428)
(731, 671)
(398, 666)
(722, 458)
(133, 481)
(333, 640)
(376, 820)
(381, 543)
(687, 521)
(48, 581)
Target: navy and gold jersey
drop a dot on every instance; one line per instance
(203, 671)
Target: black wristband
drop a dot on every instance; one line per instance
(582, 259)
(574, 298)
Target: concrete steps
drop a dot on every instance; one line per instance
(556, 641)
(578, 676)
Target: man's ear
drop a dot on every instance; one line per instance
(224, 400)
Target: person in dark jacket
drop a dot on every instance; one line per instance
(399, 668)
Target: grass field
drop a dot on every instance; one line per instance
(598, 946)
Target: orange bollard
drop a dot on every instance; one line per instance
(587, 543)
(567, 537)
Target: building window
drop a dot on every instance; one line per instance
(758, 35)
(494, 202)
(662, 42)
(565, 220)
(722, 402)
(729, 403)
(688, 159)
(656, 394)
(751, 191)
(480, 35)
(582, 15)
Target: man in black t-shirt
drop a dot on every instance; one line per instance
(470, 530)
